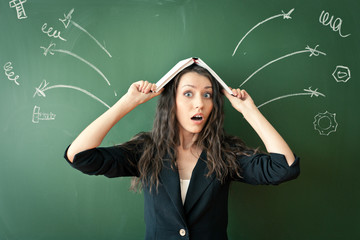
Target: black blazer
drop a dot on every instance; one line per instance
(204, 214)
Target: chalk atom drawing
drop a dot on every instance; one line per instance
(18, 5)
(284, 15)
(9, 74)
(50, 50)
(325, 123)
(40, 91)
(341, 74)
(39, 116)
(312, 51)
(307, 92)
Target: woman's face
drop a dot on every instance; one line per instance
(193, 102)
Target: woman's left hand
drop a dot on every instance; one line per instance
(240, 100)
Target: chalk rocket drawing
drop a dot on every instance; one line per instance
(330, 124)
(312, 51)
(306, 93)
(18, 5)
(284, 15)
(67, 20)
(341, 74)
(50, 50)
(40, 91)
(38, 116)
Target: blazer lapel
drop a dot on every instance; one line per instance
(198, 182)
(171, 181)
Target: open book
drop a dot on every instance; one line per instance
(184, 64)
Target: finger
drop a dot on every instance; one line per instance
(147, 87)
(243, 94)
(140, 85)
(234, 91)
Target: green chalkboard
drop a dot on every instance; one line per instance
(63, 63)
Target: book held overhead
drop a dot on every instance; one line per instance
(184, 64)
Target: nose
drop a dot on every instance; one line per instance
(198, 102)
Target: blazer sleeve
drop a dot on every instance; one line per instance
(111, 162)
(267, 169)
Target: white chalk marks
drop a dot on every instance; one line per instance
(50, 50)
(335, 26)
(67, 20)
(312, 51)
(9, 74)
(40, 91)
(39, 116)
(54, 34)
(341, 74)
(307, 92)
(18, 5)
(284, 15)
(325, 123)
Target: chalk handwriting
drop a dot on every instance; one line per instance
(335, 26)
(67, 18)
(18, 5)
(325, 123)
(55, 34)
(40, 91)
(39, 116)
(9, 74)
(312, 51)
(305, 93)
(284, 15)
(341, 74)
(50, 50)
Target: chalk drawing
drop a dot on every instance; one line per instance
(55, 34)
(307, 92)
(39, 116)
(335, 26)
(67, 20)
(18, 5)
(50, 50)
(325, 123)
(9, 74)
(284, 15)
(341, 73)
(312, 51)
(40, 91)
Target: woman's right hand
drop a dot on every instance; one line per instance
(142, 91)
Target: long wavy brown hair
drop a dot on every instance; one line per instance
(163, 140)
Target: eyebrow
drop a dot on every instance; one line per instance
(189, 85)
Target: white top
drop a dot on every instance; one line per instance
(184, 185)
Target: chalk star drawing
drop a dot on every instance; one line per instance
(341, 73)
(330, 127)
(67, 20)
(50, 50)
(40, 91)
(284, 15)
(312, 51)
(307, 92)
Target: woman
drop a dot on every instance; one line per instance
(186, 163)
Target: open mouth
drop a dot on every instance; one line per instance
(197, 118)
